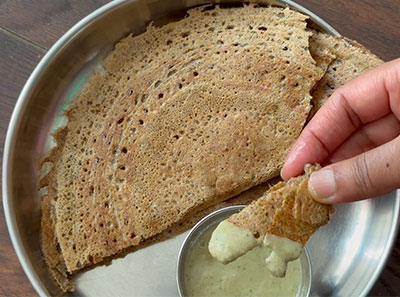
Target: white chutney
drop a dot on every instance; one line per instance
(246, 276)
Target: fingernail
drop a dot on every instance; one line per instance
(322, 185)
(283, 175)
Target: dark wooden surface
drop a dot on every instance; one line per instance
(28, 28)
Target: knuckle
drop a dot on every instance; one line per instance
(361, 172)
(350, 116)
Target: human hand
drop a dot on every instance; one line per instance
(355, 135)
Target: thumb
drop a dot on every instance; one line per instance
(367, 175)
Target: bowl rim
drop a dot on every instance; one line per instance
(199, 225)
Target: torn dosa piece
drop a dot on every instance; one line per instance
(283, 219)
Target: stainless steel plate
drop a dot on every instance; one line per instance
(346, 256)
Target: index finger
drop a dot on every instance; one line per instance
(364, 99)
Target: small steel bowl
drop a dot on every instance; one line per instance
(211, 221)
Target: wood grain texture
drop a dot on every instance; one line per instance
(27, 28)
(43, 22)
(375, 24)
(13, 281)
(17, 60)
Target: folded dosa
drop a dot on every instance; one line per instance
(180, 118)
